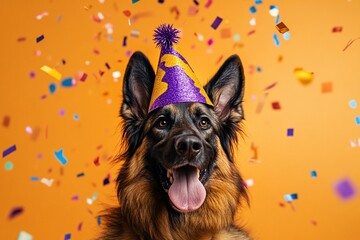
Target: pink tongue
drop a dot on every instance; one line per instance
(186, 193)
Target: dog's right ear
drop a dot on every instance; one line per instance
(137, 87)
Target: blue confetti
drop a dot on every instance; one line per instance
(67, 236)
(52, 88)
(76, 117)
(276, 40)
(257, 2)
(286, 36)
(67, 82)
(135, 1)
(258, 69)
(252, 9)
(277, 19)
(353, 103)
(357, 120)
(34, 178)
(60, 156)
(80, 174)
(290, 197)
(313, 174)
(236, 37)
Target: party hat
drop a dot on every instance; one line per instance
(175, 81)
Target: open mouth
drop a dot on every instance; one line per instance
(185, 186)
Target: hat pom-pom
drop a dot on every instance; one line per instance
(165, 36)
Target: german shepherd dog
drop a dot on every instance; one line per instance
(178, 180)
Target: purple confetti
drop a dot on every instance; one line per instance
(9, 150)
(40, 38)
(15, 212)
(290, 132)
(67, 236)
(216, 23)
(124, 41)
(345, 189)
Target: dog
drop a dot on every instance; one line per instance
(178, 180)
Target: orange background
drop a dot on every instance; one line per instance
(323, 122)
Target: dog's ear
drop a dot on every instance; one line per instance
(137, 87)
(226, 91)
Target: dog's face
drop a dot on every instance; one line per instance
(185, 148)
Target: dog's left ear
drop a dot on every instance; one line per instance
(226, 90)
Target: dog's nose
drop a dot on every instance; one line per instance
(188, 146)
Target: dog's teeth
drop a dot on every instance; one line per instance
(198, 172)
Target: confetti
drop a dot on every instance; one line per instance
(282, 28)
(276, 39)
(350, 42)
(254, 149)
(257, 2)
(40, 38)
(24, 236)
(75, 198)
(67, 82)
(21, 39)
(52, 72)
(196, 2)
(67, 236)
(79, 226)
(276, 105)
(304, 76)
(326, 87)
(97, 161)
(135, 1)
(286, 36)
(252, 22)
(161, 1)
(41, 15)
(357, 120)
(9, 150)
(106, 180)
(199, 36)
(83, 77)
(249, 182)
(270, 86)
(47, 182)
(208, 3)
(175, 10)
(251, 32)
(34, 179)
(252, 9)
(193, 10)
(290, 132)
(134, 33)
(290, 197)
(337, 29)
(216, 22)
(236, 37)
(116, 74)
(52, 88)
(60, 156)
(345, 189)
(16, 211)
(274, 11)
(313, 174)
(76, 117)
(353, 103)
(6, 121)
(124, 41)
(9, 166)
(225, 33)
(261, 103)
(127, 13)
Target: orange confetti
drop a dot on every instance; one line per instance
(127, 13)
(282, 28)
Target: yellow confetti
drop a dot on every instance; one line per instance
(52, 72)
(303, 76)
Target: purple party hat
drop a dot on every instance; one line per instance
(175, 81)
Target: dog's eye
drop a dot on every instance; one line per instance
(162, 123)
(204, 123)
